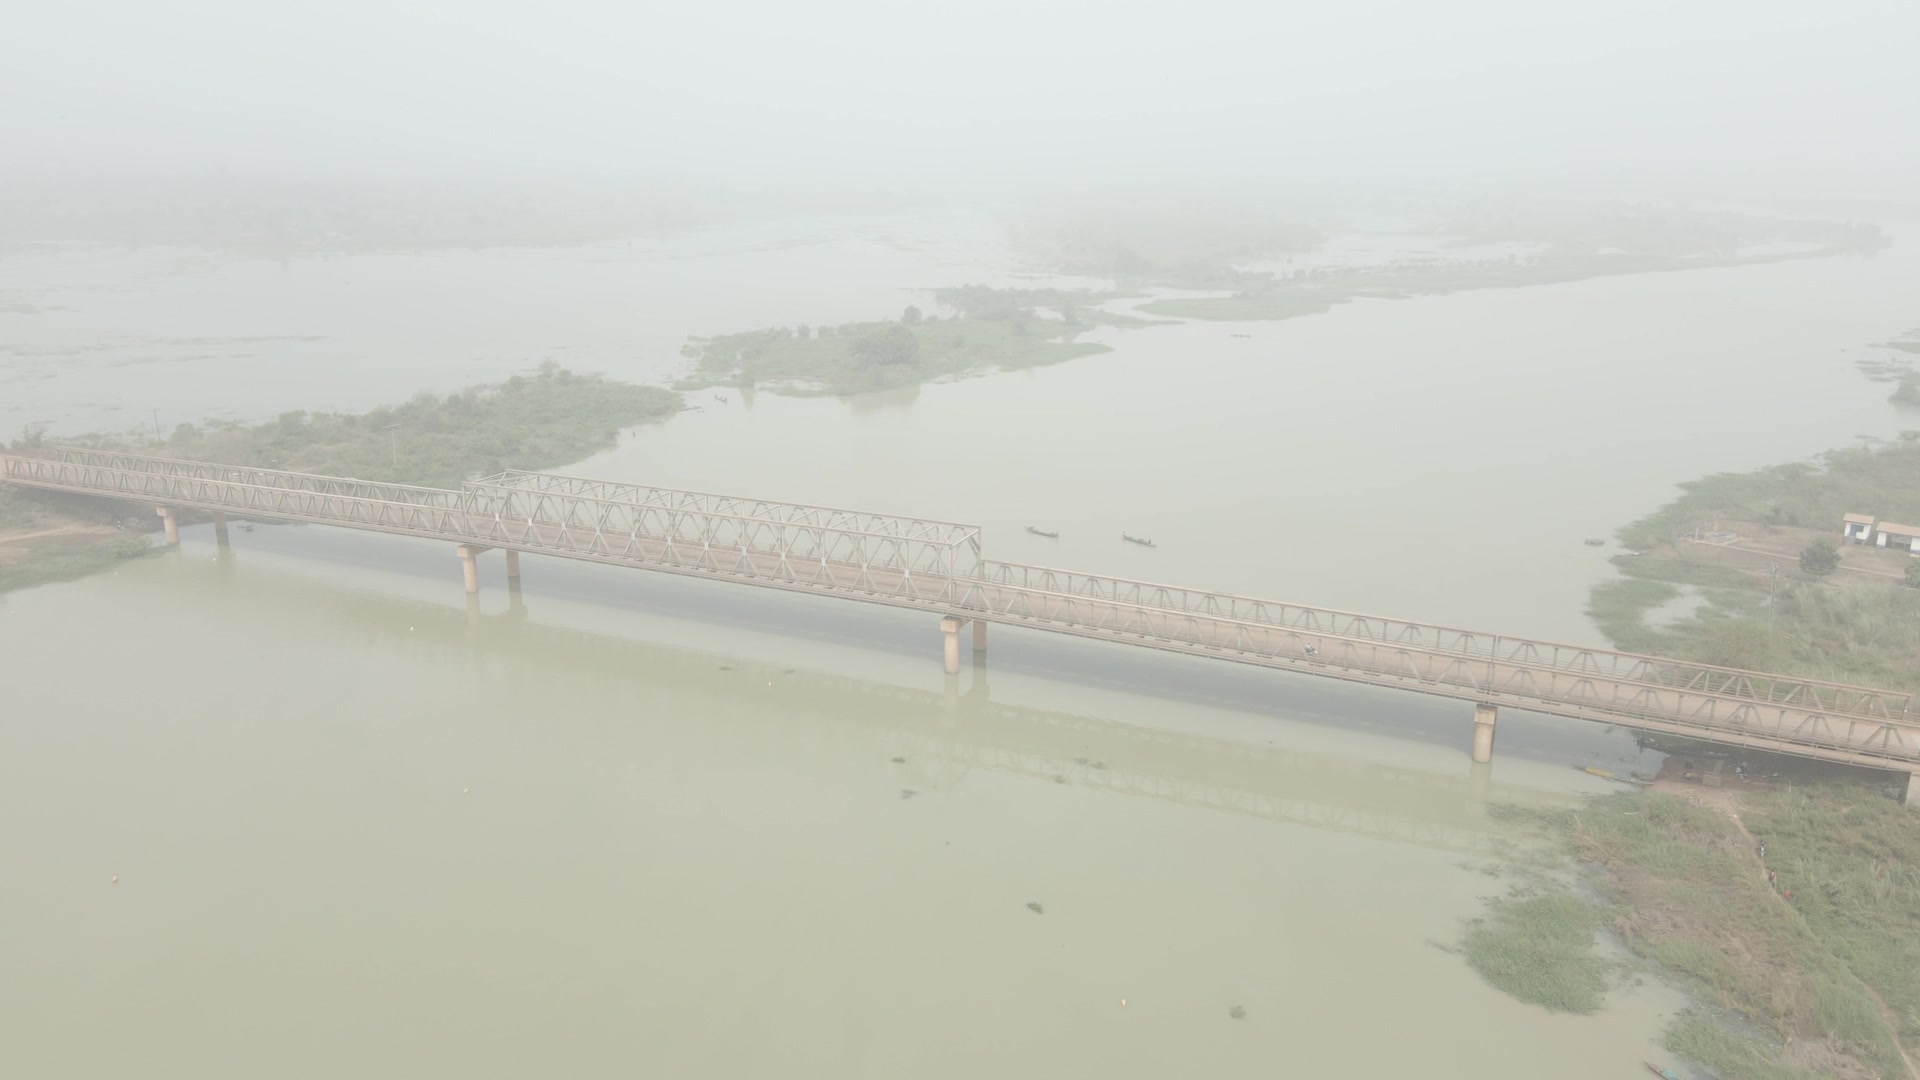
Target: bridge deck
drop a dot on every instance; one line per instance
(938, 567)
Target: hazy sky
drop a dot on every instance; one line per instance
(994, 90)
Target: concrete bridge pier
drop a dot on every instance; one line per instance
(1484, 718)
(1911, 796)
(950, 633)
(171, 521)
(469, 567)
(513, 565)
(220, 528)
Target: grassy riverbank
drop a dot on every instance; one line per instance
(1749, 603)
(991, 329)
(46, 538)
(1823, 985)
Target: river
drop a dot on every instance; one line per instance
(620, 823)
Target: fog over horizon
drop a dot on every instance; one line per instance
(990, 98)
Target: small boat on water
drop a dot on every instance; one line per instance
(1141, 540)
(1043, 532)
(1595, 542)
(1656, 1070)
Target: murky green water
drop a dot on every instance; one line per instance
(633, 825)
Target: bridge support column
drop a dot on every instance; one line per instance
(950, 632)
(1484, 718)
(171, 521)
(513, 565)
(220, 527)
(979, 636)
(469, 568)
(1911, 797)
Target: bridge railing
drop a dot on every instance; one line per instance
(861, 521)
(251, 476)
(1198, 604)
(248, 490)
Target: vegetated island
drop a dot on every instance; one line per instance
(528, 422)
(1218, 249)
(989, 329)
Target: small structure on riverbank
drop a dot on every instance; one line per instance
(1888, 535)
(1856, 527)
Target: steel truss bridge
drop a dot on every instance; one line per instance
(939, 567)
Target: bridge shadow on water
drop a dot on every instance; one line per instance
(960, 723)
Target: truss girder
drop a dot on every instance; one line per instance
(1811, 695)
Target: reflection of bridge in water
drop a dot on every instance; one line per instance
(939, 568)
(966, 728)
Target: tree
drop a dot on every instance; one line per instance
(895, 344)
(1819, 558)
(1913, 575)
(911, 315)
(803, 333)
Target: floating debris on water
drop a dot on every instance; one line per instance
(899, 761)
(1034, 906)
(726, 667)
(907, 793)
(1237, 1013)
(1079, 761)
(1059, 779)
(1099, 764)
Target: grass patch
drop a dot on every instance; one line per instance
(1540, 949)
(1785, 985)
(1870, 479)
(553, 418)
(1845, 629)
(1854, 856)
(64, 558)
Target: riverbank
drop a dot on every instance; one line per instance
(1719, 578)
(46, 538)
(1790, 913)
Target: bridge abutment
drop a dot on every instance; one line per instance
(171, 521)
(1485, 716)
